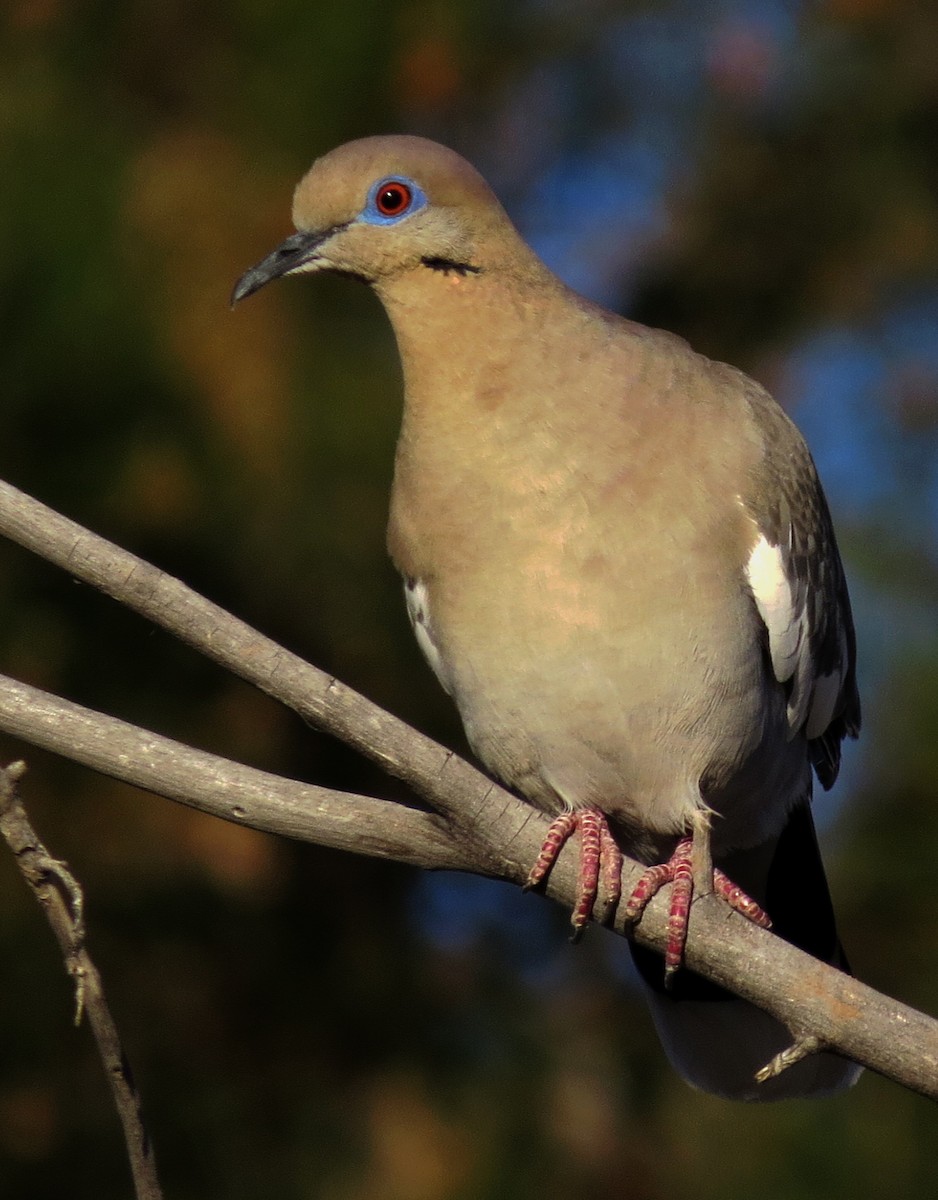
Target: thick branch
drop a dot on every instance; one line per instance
(226, 789)
(482, 827)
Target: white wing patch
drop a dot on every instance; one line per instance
(418, 609)
(813, 698)
(768, 581)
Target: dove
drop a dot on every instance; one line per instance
(619, 562)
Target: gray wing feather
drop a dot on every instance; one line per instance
(800, 591)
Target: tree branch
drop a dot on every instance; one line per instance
(316, 696)
(476, 825)
(341, 820)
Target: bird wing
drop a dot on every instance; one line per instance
(797, 581)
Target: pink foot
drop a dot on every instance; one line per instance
(600, 862)
(678, 871)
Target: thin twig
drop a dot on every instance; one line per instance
(60, 898)
(799, 1050)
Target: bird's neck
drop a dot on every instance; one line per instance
(466, 335)
(495, 408)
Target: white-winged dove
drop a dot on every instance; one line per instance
(619, 562)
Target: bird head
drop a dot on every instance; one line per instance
(382, 206)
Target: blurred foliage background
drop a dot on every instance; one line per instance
(758, 175)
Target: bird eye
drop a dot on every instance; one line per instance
(393, 198)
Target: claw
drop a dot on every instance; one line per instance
(600, 862)
(678, 871)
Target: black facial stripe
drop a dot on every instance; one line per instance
(448, 264)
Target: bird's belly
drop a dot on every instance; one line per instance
(644, 713)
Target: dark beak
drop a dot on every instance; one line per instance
(298, 249)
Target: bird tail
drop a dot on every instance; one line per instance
(717, 1041)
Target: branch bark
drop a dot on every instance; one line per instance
(475, 825)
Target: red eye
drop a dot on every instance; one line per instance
(393, 198)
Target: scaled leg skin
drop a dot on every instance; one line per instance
(679, 872)
(600, 862)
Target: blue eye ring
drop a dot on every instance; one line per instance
(391, 199)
